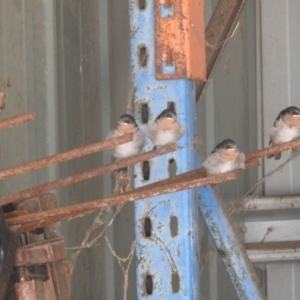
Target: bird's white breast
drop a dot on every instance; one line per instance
(282, 133)
(164, 137)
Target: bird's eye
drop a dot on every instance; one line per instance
(169, 115)
(228, 147)
(127, 121)
(295, 112)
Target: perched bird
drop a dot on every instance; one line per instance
(165, 129)
(286, 128)
(127, 124)
(224, 158)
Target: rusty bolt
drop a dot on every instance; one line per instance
(22, 274)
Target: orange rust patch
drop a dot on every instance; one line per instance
(180, 38)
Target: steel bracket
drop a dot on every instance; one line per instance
(180, 39)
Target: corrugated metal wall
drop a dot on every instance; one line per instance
(228, 110)
(57, 55)
(278, 43)
(279, 81)
(69, 61)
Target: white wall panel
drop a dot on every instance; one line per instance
(278, 41)
(280, 84)
(283, 281)
(272, 231)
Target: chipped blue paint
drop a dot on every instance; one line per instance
(163, 254)
(229, 247)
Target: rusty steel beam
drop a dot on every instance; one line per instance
(218, 31)
(184, 181)
(274, 149)
(189, 180)
(35, 191)
(65, 156)
(25, 290)
(250, 162)
(17, 120)
(42, 219)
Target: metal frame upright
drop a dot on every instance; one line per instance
(167, 251)
(166, 226)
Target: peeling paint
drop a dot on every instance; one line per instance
(162, 253)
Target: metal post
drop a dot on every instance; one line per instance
(166, 226)
(230, 249)
(167, 253)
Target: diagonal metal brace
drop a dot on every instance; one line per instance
(230, 249)
(219, 29)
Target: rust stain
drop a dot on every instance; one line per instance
(35, 191)
(180, 38)
(41, 219)
(17, 120)
(42, 252)
(25, 290)
(189, 180)
(274, 149)
(65, 156)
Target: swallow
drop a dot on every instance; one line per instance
(286, 128)
(224, 158)
(127, 124)
(165, 129)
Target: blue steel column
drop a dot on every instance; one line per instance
(229, 247)
(168, 260)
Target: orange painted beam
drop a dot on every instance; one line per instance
(180, 39)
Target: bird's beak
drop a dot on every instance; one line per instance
(123, 123)
(171, 118)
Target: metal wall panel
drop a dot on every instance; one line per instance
(228, 110)
(283, 281)
(278, 71)
(68, 64)
(26, 60)
(57, 55)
